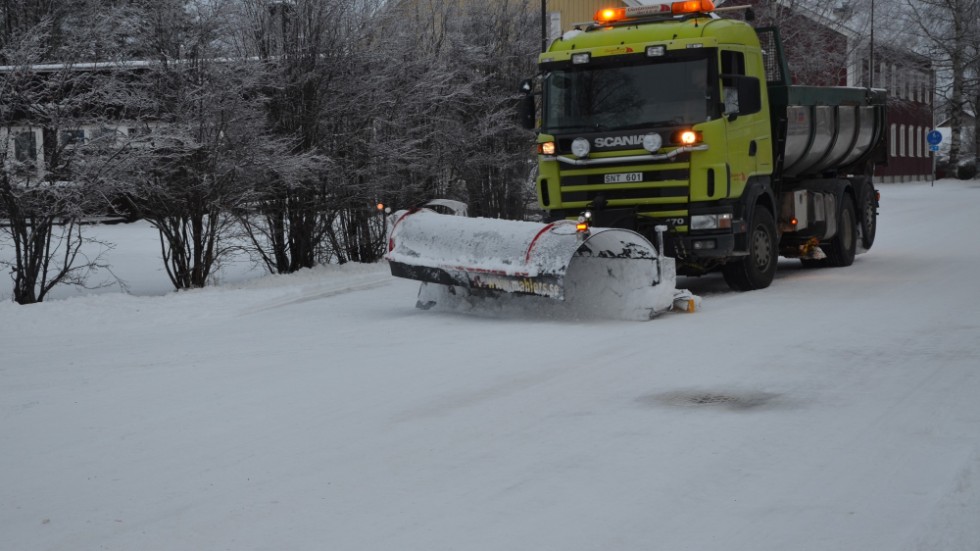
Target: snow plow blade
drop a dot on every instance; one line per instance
(613, 272)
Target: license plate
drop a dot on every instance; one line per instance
(624, 178)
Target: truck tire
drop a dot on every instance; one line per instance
(756, 270)
(843, 245)
(869, 216)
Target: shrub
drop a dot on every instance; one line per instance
(966, 170)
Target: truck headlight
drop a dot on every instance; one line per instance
(711, 221)
(652, 142)
(581, 148)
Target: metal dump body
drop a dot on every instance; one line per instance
(827, 129)
(820, 129)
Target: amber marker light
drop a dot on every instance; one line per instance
(693, 6)
(610, 15)
(689, 137)
(547, 148)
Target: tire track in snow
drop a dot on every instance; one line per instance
(317, 294)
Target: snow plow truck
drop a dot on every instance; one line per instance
(666, 124)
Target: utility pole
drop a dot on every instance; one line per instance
(871, 61)
(544, 26)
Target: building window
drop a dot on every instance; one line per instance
(68, 138)
(138, 131)
(891, 141)
(25, 147)
(105, 133)
(912, 149)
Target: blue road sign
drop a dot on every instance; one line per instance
(934, 137)
(934, 147)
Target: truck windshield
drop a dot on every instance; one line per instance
(671, 92)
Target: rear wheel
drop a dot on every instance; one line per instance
(843, 245)
(869, 216)
(756, 270)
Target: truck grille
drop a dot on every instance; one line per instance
(625, 194)
(662, 193)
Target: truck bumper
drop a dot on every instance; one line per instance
(702, 246)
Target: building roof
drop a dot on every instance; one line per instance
(968, 117)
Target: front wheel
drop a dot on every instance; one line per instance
(756, 270)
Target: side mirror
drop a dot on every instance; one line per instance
(527, 108)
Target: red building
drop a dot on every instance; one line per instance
(910, 81)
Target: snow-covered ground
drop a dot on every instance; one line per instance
(837, 410)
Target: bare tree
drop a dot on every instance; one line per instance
(972, 18)
(500, 46)
(321, 93)
(48, 163)
(458, 68)
(19, 19)
(952, 31)
(286, 215)
(41, 221)
(202, 129)
(305, 53)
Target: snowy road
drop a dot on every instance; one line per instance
(837, 410)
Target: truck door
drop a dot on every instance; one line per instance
(749, 150)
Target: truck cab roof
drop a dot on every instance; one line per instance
(679, 33)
